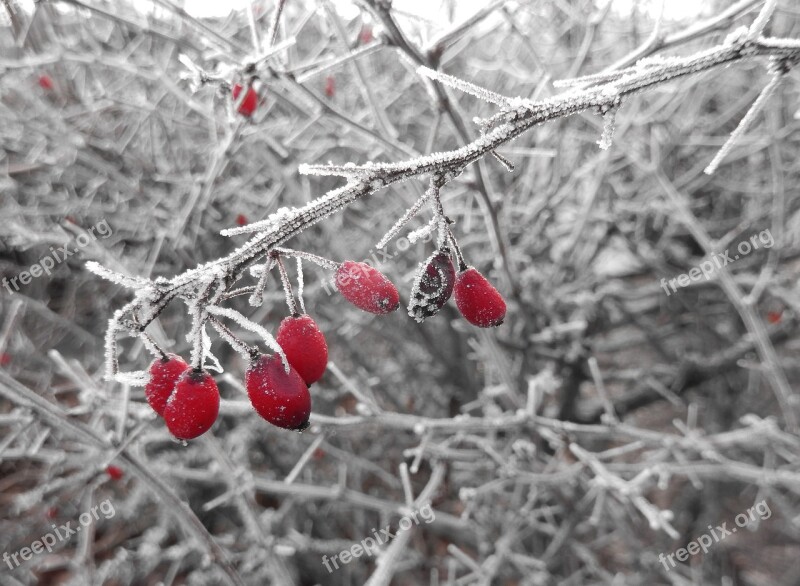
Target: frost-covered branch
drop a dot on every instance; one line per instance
(207, 284)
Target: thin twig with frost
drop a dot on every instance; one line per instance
(747, 121)
(466, 87)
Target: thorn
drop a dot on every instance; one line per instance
(509, 166)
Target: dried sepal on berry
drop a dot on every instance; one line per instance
(367, 288)
(193, 406)
(433, 285)
(280, 397)
(477, 300)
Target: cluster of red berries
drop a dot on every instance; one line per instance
(188, 398)
(436, 280)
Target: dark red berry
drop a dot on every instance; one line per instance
(249, 102)
(52, 512)
(280, 397)
(366, 288)
(433, 285)
(241, 220)
(114, 472)
(330, 86)
(304, 346)
(5, 359)
(774, 317)
(477, 300)
(164, 374)
(45, 82)
(194, 405)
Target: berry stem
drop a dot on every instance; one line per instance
(198, 320)
(287, 286)
(462, 266)
(151, 345)
(237, 343)
(300, 284)
(445, 233)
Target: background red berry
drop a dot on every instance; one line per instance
(114, 472)
(46, 82)
(249, 102)
(304, 346)
(366, 287)
(280, 397)
(774, 317)
(365, 36)
(164, 374)
(194, 405)
(477, 300)
(330, 86)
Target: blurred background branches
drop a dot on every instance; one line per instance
(608, 420)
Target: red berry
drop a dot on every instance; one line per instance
(433, 285)
(280, 397)
(241, 220)
(52, 512)
(774, 317)
(477, 300)
(45, 82)
(330, 86)
(366, 288)
(365, 36)
(249, 102)
(304, 346)
(194, 405)
(164, 373)
(5, 359)
(114, 472)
